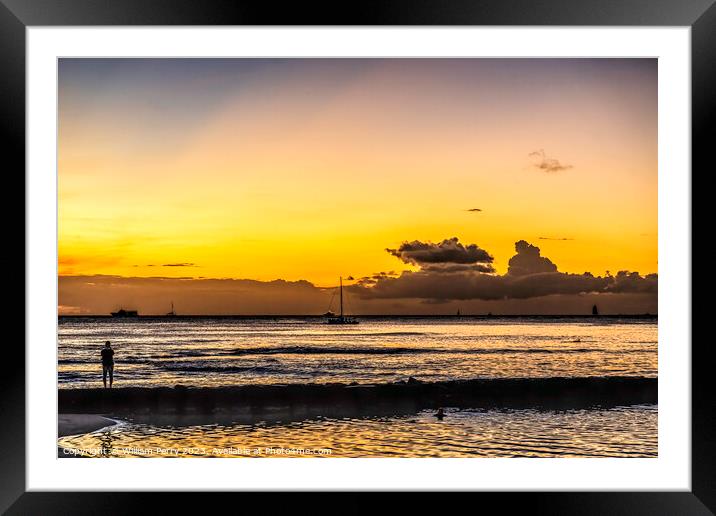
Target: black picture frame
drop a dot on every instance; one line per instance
(17, 15)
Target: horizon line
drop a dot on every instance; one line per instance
(164, 316)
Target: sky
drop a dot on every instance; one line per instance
(179, 176)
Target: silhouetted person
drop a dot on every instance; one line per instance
(440, 414)
(107, 364)
(595, 310)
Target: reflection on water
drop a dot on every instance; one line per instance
(213, 352)
(618, 432)
(105, 439)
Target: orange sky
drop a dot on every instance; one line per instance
(310, 169)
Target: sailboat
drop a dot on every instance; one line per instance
(341, 319)
(172, 313)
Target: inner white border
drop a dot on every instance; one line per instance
(670, 471)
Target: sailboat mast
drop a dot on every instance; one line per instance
(341, 281)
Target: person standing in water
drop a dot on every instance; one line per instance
(107, 364)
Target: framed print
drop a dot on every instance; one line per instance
(417, 248)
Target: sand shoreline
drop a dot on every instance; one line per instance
(75, 424)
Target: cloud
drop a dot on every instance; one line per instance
(529, 275)
(443, 255)
(458, 267)
(529, 261)
(632, 282)
(532, 285)
(101, 294)
(554, 238)
(375, 278)
(180, 264)
(474, 209)
(547, 164)
(71, 310)
(433, 285)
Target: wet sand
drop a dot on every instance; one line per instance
(75, 424)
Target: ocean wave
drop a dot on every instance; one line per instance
(195, 352)
(68, 361)
(367, 334)
(167, 360)
(304, 350)
(195, 368)
(66, 376)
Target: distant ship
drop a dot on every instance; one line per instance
(124, 313)
(172, 313)
(340, 319)
(595, 310)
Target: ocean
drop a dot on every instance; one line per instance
(232, 351)
(225, 351)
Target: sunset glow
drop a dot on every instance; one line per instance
(308, 169)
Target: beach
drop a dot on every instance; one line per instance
(77, 424)
(525, 387)
(218, 422)
(74, 424)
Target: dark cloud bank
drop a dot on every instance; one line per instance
(101, 294)
(450, 270)
(450, 275)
